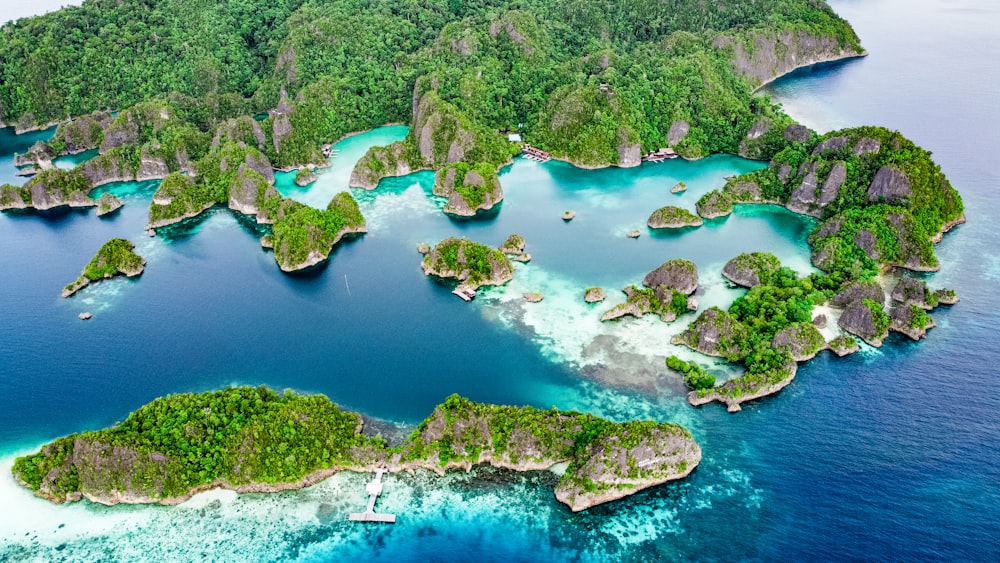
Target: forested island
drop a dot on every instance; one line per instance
(257, 440)
(116, 257)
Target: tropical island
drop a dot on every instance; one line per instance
(116, 257)
(256, 440)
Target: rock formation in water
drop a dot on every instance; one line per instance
(115, 258)
(671, 217)
(124, 464)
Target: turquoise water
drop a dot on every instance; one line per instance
(888, 454)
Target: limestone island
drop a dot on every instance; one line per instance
(470, 263)
(667, 292)
(250, 439)
(115, 258)
(671, 217)
(775, 325)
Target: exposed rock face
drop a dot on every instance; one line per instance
(748, 147)
(859, 320)
(890, 185)
(713, 333)
(773, 55)
(282, 127)
(108, 204)
(681, 275)
(49, 190)
(715, 204)
(911, 321)
(867, 145)
(382, 162)
(678, 132)
(249, 191)
(305, 177)
(844, 345)
(594, 295)
(671, 217)
(438, 263)
(10, 198)
(911, 291)
(796, 133)
(678, 188)
(856, 291)
(831, 144)
(533, 297)
(468, 192)
(866, 241)
(737, 391)
(38, 153)
(664, 455)
(151, 168)
(629, 153)
(749, 268)
(120, 132)
(803, 341)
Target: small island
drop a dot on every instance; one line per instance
(667, 292)
(671, 217)
(256, 440)
(470, 263)
(115, 258)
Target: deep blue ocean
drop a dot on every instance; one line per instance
(890, 454)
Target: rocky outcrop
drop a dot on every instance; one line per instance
(796, 133)
(802, 340)
(715, 204)
(385, 162)
(748, 387)
(773, 54)
(862, 321)
(830, 144)
(713, 333)
(594, 295)
(671, 217)
(844, 346)
(624, 465)
(40, 154)
(248, 193)
(910, 320)
(49, 189)
(629, 150)
(678, 132)
(304, 177)
(909, 291)
(890, 185)
(115, 258)
(867, 145)
(751, 268)
(806, 199)
(450, 258)
(108, 204)
(680, 275)
(469, 189)
(856, 291)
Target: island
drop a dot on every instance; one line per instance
(666, 292)
(251, 439)
(670, 217)
(116, 257)
(472, 264)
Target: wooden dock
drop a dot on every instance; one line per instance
(465, 293)
(660, 155)
(374, 489)
(538, 155)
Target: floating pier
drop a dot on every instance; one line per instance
(465, 293)
(660, 155)
(374, 489)
(538, 155)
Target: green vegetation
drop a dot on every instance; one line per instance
(115, 257)
(670, 216)
(695, 376)
(54, 187)
(185, 196)
(880, 319)
(305, 235)
(893, 198)
(919, 319)
(469, 262)
(753, 268)
(176, 443)
(244, 435)
(482, 185)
